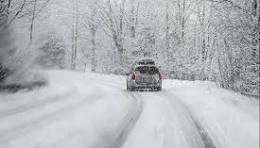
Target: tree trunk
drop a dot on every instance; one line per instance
(120, 39)
(134, 19)
(182, 20)
(167, 36)
(203, 35)
(32, 22)
(93, 50)
(74, 36)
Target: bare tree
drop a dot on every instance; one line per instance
(74, 48)
(92, 25)
(32, 21)
(134, 18)
(113, 25)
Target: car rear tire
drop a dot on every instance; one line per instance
(159, 88)
(129, 88)
(132, 88)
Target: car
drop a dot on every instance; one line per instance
(144, 77)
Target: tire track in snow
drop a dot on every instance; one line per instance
(130, 121)
(207, 140)
(131, 118)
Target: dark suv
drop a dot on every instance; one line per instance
(143, 77)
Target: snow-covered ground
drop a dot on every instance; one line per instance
(86, 110)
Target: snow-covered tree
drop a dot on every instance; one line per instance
(52, 53)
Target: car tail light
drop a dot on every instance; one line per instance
(133, 77)
(160, 76)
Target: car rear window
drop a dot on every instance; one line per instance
(147, 70)
(146, 62)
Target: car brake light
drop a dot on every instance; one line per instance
(133, 77)
(160, 76)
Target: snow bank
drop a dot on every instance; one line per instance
(75, 110)
(232, 120)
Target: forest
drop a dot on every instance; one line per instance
(212, 40)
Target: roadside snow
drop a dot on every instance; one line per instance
(73, 111)
(230, 119)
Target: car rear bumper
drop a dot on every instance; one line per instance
(146, 85)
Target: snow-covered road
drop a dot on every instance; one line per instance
(85, 110)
